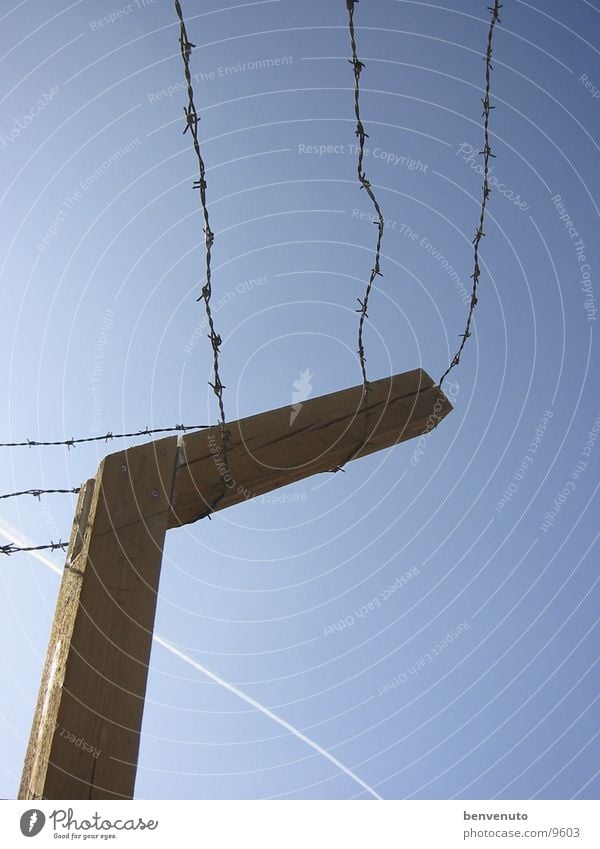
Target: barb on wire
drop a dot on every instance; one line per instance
(358, 66)
(485, 190)
(191, 123)
(39, 492)
(71, 443)
(192, 120)
(13, 549)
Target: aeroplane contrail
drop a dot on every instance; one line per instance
(18, 539)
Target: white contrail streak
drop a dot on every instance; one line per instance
(18, 539)
(268, 713)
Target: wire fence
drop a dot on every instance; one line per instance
(71, 443)
(192, 121)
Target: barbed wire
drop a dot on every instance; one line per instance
(192, 120)
(486, 191)
(38, 492)
(357, 66)
(107, 437)
(13, 549)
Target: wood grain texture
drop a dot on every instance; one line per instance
(269, 450)
(86, 731)
(48, 703)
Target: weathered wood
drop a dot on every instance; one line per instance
(267, 452)
(44, 718)
(86, 730)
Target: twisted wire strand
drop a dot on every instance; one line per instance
(38, 492)
(14, 549)
(486, 191)
(107, 437)
(192, 120)
(358, 66)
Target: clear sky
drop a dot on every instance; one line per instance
(461, 581)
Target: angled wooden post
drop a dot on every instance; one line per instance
(86, 729)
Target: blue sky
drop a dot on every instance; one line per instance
(462, 579)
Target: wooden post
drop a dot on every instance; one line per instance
(267, 452)
(86, 730)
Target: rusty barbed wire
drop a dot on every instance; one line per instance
(107, 437)
(38, 492)
(358, 66)
(192, 119)
(14, 549)
(486, 191)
